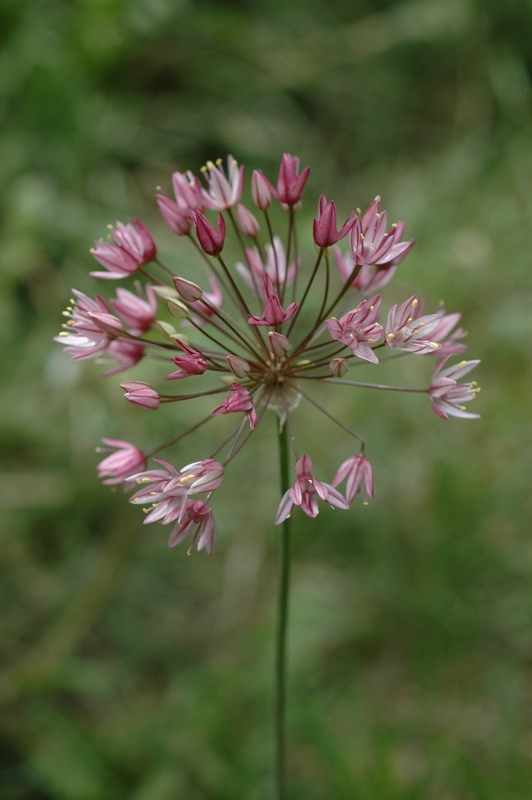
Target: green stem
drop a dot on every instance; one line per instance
(280, 654)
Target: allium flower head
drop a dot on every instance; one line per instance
(256, 334)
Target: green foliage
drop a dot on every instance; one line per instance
(131, 672)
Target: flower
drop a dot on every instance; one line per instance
(269, 330)
(273, 313)
(305, 493)
(357, 469)
(120, 465)
(141, 394)
(193, 363)
(404, 331)
(371, 244)
(240, 400)
(447, 395)
(131, 247)
(223, 192)
(325, 226)
(359, 328)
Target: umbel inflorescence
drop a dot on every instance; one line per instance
(247, 339)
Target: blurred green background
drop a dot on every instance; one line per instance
(134, 672)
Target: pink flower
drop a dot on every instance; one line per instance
(193, 363)
(126, 353)
(163, 491)
(177, 218)
(357, 327)
(447, 395)
(240, 400)
(325, 226)
(357, 469)
(199, 515)
(201, 476)
(223, 192)
(138, 313)
(211, 241)
(131, 247)
(404, 331)
(371, 244)
(448, 346)
(275, 267)
(188, 192)
(290, 185)
(120, 465)
(273, 313)
(368, 279)
(261, 190)
(305, 493)
(248, 223)
(141, 394)
(84, 337)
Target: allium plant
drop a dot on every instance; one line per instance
(247, 334)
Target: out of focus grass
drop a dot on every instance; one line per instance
(131, 672)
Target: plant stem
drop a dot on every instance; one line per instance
(282, 627)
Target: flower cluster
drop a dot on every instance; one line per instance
(245, 336)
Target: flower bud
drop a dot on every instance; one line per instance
(141, 394)
(189, 291)
(279, 344)
(176, 308)
(211, 241)
(339, 367)
(238, 366)
(248, 224)
(260, 190)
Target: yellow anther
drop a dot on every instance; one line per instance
(203, 169)
(210, 165)
(63, 333)
(65, 313)
(335, 319)
(71, 322)
(362, 236)
(153, 494)
(371, 308)
(365, 503)
(416, 332)
(146, 480)
(474, 383)
(135, 500)
(155, 505)
(138, 480)
(462, 364)
(371, 340)
(218, 161)
(462, 408)
(415, 303)
(145, 510)
(92, 250)
(234, 163)
(110, 227)
(434, 345)
(410, 319)
(187, 478)
(391, 336)
(359, 211)
(394, 225)
(72, 301)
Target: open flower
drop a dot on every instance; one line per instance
(305, 493)
(447, 395)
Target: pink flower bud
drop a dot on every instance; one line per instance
(290, 185)
(339, 367)
(261, 190)
(238, 366)
(325, 226)
(189, 291)
(279, 344)
(248, 224)
(141, 394)
(211, 241)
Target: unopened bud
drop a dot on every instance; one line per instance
(279, 344)
(238, 366)
(141, 394)
(261, 190)
(339, 367)
(165, 291)
(248, 224)
(176, 308)
(189, 291)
